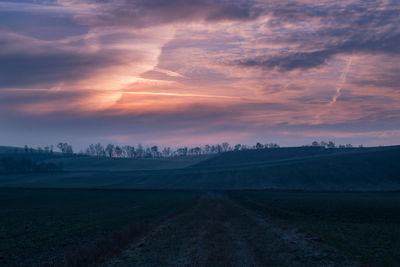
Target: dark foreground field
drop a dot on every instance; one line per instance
(306, 206)
(364, 225)
(177, 228)
(41, 226)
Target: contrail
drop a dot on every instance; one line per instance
(341, 81)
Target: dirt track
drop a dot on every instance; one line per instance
(219, 232)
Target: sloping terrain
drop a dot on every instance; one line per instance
(127, 164)
(34, 154)
(254, 158)
(358, 170)
(9, 149)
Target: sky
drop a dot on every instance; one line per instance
(192, 72)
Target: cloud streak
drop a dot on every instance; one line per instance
(342, 81)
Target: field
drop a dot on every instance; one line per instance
(301, 169)
(38, 224)
(125, 164)
(364, 226)
(275, 207)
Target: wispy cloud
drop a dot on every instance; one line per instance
(342, 80)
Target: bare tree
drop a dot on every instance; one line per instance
(272, 145)
(315, 143)
(65, 148)
(166, 152)
(154, 151)
(331, 144)
(91, 150)
(182, 151)
(128, 151)
(118, 151)
(259, 146)
(99, 150)
(139, 151)
(110, 150)
(225, 146)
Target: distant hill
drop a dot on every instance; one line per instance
(128, 164)
(253, 158)
(358, 169)
(10, 149)
(33, 154)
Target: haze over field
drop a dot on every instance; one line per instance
(194, 72)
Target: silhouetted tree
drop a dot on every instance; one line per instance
(219, 148)
(147, 153)
(99, 150)
(118, 151)
(182, 151)
(225, 146)
(237, 147)
(110, 150)
(128, 151)
(91, 150)
(315, 143)
(259, 146)
(166, 152)
(330, 144)
(272, 145)
(154, 151)
(140, 151)
(65, 148)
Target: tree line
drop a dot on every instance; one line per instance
(331, 144)
(141, 151)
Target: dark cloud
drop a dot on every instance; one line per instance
(14, 99)
(291, 61)
(28, 62)
(144, 13)
(388, 79)
(47, 26)
(46, 69)
(352, 29)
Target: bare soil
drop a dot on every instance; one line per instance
(217, 231)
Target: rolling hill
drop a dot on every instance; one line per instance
(292, 168)
(127, 164)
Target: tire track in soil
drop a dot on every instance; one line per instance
(219, 232)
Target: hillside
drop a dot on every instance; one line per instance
(359, 170)
(33, 154)
(128, 164)
(252, 158)
(10, 149)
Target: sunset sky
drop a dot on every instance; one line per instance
(176, 72)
